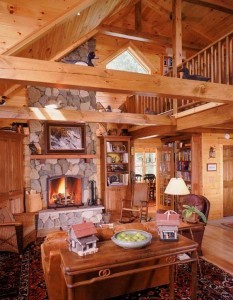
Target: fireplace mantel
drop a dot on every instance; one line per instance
(52, 156)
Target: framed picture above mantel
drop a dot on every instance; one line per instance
(65, 138)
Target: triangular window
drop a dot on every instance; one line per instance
(126, 61)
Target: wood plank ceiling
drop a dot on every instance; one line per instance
(48, 30)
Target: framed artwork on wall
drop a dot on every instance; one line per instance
(65, 138)
(212, 167)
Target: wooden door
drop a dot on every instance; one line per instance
(227, 181)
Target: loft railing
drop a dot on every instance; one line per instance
(214, 61)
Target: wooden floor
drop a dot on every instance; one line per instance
(217, 247)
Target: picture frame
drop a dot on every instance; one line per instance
(64, 138)
(169, 235)
(211, 167)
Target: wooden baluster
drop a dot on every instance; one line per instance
(218, 61)
(231, 60)
(227, 69)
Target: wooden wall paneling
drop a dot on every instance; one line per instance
(212, 181)
(113, 99)
(227, 180)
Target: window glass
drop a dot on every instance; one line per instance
(126, 62)
(145, 163)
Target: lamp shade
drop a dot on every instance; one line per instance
(176, 186)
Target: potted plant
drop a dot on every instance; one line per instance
(191, 213)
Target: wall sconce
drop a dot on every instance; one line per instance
(212, 152)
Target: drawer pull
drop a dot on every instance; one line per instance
(104, 273)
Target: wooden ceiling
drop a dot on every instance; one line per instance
(46, 29)
(49, 30)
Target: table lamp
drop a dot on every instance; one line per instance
(176, 187)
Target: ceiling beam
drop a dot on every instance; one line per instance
(138, 16)
(220, 5)
(46, 73)
(214, 116)
(142, 37)
(153, 131)
(63, 115)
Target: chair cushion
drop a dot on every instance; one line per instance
(192, 200)
(6, 215)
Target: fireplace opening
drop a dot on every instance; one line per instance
(65, 191)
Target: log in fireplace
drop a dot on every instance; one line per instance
(64, 191)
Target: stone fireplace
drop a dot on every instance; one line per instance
(64, 191)
(72, 204)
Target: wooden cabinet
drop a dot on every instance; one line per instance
(180, 157)
(115, 171)
(11, 170)
(165, 171)
(188, 161)
(183, 162)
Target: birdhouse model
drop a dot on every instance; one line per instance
(82, 238)
(167, 225)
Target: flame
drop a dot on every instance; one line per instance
(62, 188)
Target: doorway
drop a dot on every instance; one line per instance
(227, 181)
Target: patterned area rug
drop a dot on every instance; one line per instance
(22, 279)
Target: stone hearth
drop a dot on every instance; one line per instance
(62, 217)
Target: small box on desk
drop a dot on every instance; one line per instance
(167, 225)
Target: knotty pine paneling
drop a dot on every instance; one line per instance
(212, 181)
(112, 99)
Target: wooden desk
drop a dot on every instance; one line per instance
(112, 262)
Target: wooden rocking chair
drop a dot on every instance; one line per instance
(137, 205)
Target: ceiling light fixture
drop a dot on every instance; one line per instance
(227, 136)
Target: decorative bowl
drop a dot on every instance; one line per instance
(133, 238)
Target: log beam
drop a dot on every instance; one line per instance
(220, 5)
(37, 72)
(63, 115)
(213, 116)
(152, 131)
(144, 37)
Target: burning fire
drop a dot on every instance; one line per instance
(65, 191)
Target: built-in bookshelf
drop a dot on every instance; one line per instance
(115, 173)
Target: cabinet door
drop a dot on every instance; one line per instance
(4, 165)
(114, 198)
(15, 166)
(165, 171)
